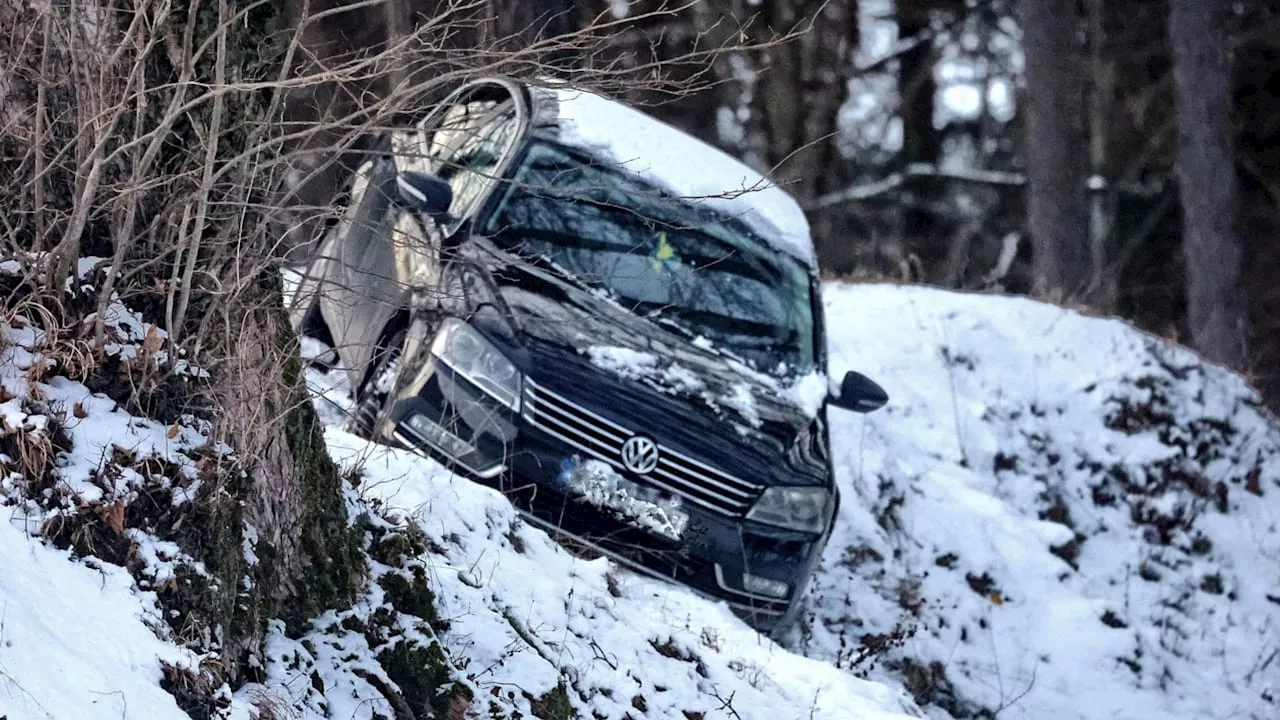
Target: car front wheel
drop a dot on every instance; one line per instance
(371, 399)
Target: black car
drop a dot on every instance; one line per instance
(609, 321)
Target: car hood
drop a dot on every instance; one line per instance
(654, 379)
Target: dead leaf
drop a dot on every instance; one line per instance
(173, 431)
(79, 411)
(152, 342)
(997, 598)
(1253, 484)
(113, 516)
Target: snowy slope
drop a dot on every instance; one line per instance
(1017, 427)
(532, 629)
(78, 637)
(525, 613)
(1021, 438)
(74, 638)
(1078, 520)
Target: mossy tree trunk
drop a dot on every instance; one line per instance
(147, 132)
(289, 491)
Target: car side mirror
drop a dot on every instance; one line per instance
(424, 193)
(859, 394)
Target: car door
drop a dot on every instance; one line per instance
(380, 259)
(360, 292)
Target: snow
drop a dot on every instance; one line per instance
(74, 641)
(631, 364)
(808, 392)
(666, 373)
(644, 366)
(81, 638)
(529, 613)
(1080, 521)
(938, 532)
(684, 166)
(1005, 437)
(741, 399)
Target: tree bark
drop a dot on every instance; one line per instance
(799, 86)
(291, 498)
(917, 89)
(1101, 205)
(1056, 148)
(925, 234)
(188, 142)
(1207, 182)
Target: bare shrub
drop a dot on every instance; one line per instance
(191, 145)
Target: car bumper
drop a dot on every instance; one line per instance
(714, 554)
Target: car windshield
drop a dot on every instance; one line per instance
(671, 260)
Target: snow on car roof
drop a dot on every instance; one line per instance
(684, 166)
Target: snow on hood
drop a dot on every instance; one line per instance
(684, 166)
(806, 392)
(672, 377)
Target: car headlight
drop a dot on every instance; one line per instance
(470, 355)
(794, 508)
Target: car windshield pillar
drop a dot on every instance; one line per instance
(468, 147)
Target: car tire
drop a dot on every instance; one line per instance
(371, 399)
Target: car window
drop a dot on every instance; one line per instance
(664, 257)
(468, 146)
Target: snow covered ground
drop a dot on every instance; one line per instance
(525, 613)
(1081, 521)
(1077, 520)
(75, 640)
(78, 637)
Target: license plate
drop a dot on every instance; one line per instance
(597, 484)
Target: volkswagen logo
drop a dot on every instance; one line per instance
(639, 455)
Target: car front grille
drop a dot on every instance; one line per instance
(602, 439)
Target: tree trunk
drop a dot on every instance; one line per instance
(181, 209)
(917, 89)
(1056, 148)
(291, 493)
(799, 87)
(1207, 182)
(925, 233)
(775, 105)
(1101, 205)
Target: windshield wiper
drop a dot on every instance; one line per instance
(728, 328)
(538, 259)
